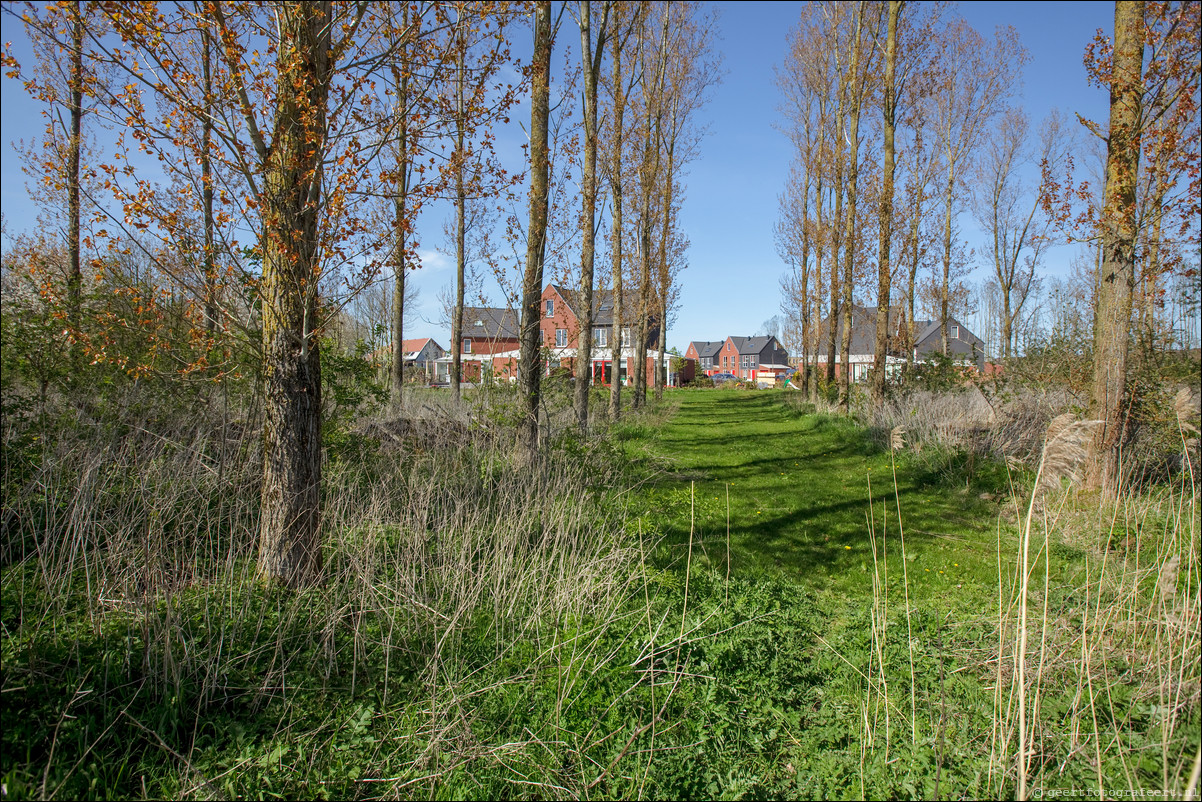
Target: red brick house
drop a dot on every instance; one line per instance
(560, 327)
(491, 342)
(705, 355)
(747, 357)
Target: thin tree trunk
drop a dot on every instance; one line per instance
(206, 179)
(460, 215)
(592, 69)
(400, 203)
(75, 273)
(532, 280)
(849, 247)
(615, 181)
(884, 266)
(945, 286)
(836, 234)
(912, 273)
(665, 275)
(289, 545)
(1118, 245)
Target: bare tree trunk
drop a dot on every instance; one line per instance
(397, 372)
(886, 225)
(289, 545)
(1118, 245)
(849, 245)
(592, 70)
(75, 79)
(912, 278)
(206, 179)
(460, 210)
(615, 182)
(945, 286)
(836, 234)
(536, 241)
(665, 274)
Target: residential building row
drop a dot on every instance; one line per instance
(490, 344)
(761, 359)
(963, 346)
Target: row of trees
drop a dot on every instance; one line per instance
(271, 161)
(908, 96)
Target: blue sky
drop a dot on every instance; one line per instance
(731, 284)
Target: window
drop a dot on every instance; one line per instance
(550, 307)
(561, 338)
(600, 337)
(625, 336)
(467, 346)
(954, 332)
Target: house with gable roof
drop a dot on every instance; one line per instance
(962, 345)
(705, 354)
(749, 357)
(423, 354)
(560, 328)
(491, 342)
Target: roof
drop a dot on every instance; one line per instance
(752, 345)
(412, 346)
(490, 323)
(931, 328)
(603, 309)
(706, 348)
(863, 327)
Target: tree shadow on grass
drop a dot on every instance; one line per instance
(799, 489)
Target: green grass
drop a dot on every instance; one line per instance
(799, 489)
(893, 665)
(805, 674)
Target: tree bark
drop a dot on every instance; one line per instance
(1118, 246)
(945, 286)
(852, 196)
(206, 179)
(592, 70)
(400, 217)
(460, 214)
(75, 79)
(615, 183)
(289, 546)
(886, 225)
(530, 374)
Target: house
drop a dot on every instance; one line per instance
(963, 345)
(705, 355)
(491, 344)
(489, 330)
(747, 357)
(560, 331)
(422, 354)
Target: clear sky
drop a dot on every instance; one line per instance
(731, 284)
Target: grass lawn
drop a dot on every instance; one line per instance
(799, 487)
(878, 677)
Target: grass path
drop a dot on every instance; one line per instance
(799, 488)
